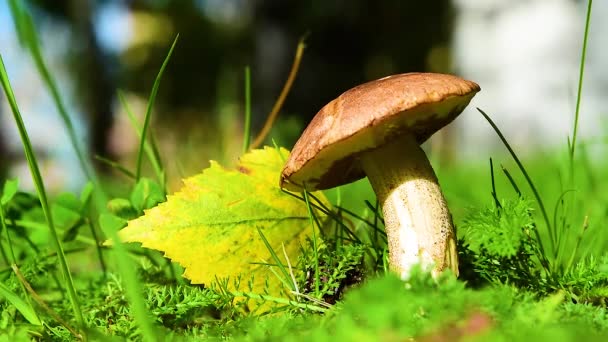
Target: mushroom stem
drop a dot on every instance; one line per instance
(416, 217)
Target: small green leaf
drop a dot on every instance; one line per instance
(67, 214)
(86, 194)
(69, 201)
(109, 222)
(24, 205)
(146, 194)
(11, 186)
(123, 208)
(21, 305)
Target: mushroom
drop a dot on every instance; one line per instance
(375, 130)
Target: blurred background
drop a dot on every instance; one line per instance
(525, 54)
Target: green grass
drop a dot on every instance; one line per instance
(42, 195)
(532, 246)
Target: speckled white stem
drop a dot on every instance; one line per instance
(418, 224)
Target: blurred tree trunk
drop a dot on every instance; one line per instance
(93, 78)
(89, 67)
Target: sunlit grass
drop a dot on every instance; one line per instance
(559, 196)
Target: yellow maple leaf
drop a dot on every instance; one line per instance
(210, 226)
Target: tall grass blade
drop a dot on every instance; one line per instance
(315, 247)
(22, 306)
(16, 12)
(585, 161)
(27, 33)
(116, 166)
(39, 184)
(511, 181)
(494, 195)
(579, 92)
(9, 189)
(133, 287)
(247, 124)
(581, 73)
(373, 225)
(277, 261)
(150, 147)
(147, 118)
(43, 304)
(560, 228)
(579, 239)
(323, 209)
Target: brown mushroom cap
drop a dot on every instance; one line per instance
(368, 116)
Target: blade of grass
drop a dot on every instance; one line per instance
(315, 248)
(579, 239)
(332, 214)
(133, 287)
(247, 125)
(278, 300)
(276, 259)
(323, 209)
(116, 166)
(579, 93)
(587, 168)
(313, 299)
(339, 233)
(562, 230)
(27, 31)
(4, 254)
(9, 190)
(150, 147)
(494, 195)
(14, 7)
(528, 180)
(581, 73)
(37, 225)
(290, 268)
(40, 188)
(22, 306)
(511, 180)
(373, 225)
(282, 279)
(259, 139)
(543, 259)
(43, 304)
(94, 229)
(375, 209)
(377, 219)
(148, 115)
(278, 149)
